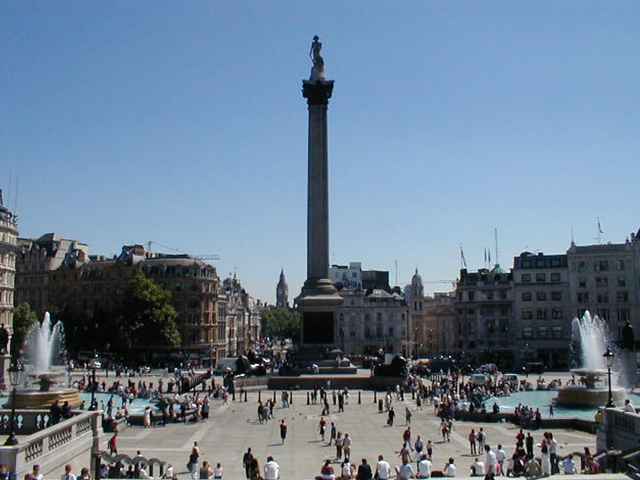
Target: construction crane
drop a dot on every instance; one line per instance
(203, 257)
(450, 282)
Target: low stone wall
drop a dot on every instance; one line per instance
(621, 429)
(546, 423)
(55, 446)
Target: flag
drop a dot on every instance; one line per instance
(485, 255)
(599, 227)
(489, 254)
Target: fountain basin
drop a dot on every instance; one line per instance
(582, 397)
(39, 400)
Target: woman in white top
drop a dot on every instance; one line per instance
(450, 468)
(218, 472)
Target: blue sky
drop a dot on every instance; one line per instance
(183, 123)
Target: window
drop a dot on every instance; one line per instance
(602, 282)
(470, 296)
(556, 296)
(391, 332)
(582, 282)
(541, 296)
(556, 314)
(601, 266)
(543, 332)
(555, 277)
(541, 277)
(583, 297)
(526, 278)
(622, 282)
(622, 297)
(471, 311)
(541, 314)
(503, 294)
(526, 296)
(556, 332)
(623, 315)
(620, 265)
(527, 315)
(603, 313)
(582, 266)
(603, 298)
(527, 332)
(489, 295)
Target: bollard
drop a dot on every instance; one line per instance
(259, 395)
(274, 396)
(307, 398)
(375, 396)
(359, 398)
(334, 397)
(380, 406)
(233, 395)
(245, 396)
(413, 394)
(290, 398)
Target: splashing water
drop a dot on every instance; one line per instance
(591, 336)
(44, 344)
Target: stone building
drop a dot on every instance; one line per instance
(8, 245)
(346, 276)
(370, 320)
(605, 280)
(415, 300)
(282, 292)
(541, 309)
(35, 259)
(484, 301)
(242, 317)
(441, 324)
(89, 287)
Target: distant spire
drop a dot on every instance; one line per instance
(1, 199)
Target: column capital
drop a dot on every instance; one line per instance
(317, 92)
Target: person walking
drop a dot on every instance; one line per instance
(482, 439)
(218, 472)
(383, 469)
(247, 462)
(283, 430)
(364, 471)
(346, 445)
(332, 433)
(339, 443)
(113, 444)
(407, 415)
(322, 426)
(271, 469)
(194, 461)
(472, 442)
(529, 444)
(390, 417)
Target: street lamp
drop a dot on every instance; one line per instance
(15, 377)
(94, 404)
(608, 355)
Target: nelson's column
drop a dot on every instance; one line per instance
(319, 297)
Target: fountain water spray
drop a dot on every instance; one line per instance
(44, 345)
(592, 336)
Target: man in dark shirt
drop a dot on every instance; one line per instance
(364, 471)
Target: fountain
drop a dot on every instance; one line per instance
(43, 348)
(590, 338)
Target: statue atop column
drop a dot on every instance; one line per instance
(317, 71)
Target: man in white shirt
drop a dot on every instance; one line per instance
(383, 470)
(628, 406)
(424, 467)
(490, 460)
(477, 468)
(271, 469)
(405, 471)
(450, 468)
(68, 475)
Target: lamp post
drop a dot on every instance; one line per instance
(94, 386)
(15, 377)
(608, 355)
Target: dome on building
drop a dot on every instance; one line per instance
(416, 285)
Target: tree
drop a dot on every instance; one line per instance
(147, 318)
(23, 320)
(282, 323)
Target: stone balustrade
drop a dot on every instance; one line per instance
(53, 446)
(621, 430)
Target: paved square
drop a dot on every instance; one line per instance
(233, 427)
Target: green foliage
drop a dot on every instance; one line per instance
(150, 319)
(23, 319)
(281, 323)
(137, 317)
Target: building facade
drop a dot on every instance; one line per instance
(484, 304)
(541, 312)
(374, 320)
(440, 324)
(242, 318)
(346, 276)
(282, 292)
(35, 259)
(8, 246)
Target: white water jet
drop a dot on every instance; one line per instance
(43, 346)
(592, 336)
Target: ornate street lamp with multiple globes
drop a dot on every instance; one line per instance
(608, 355)
(16, 377)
